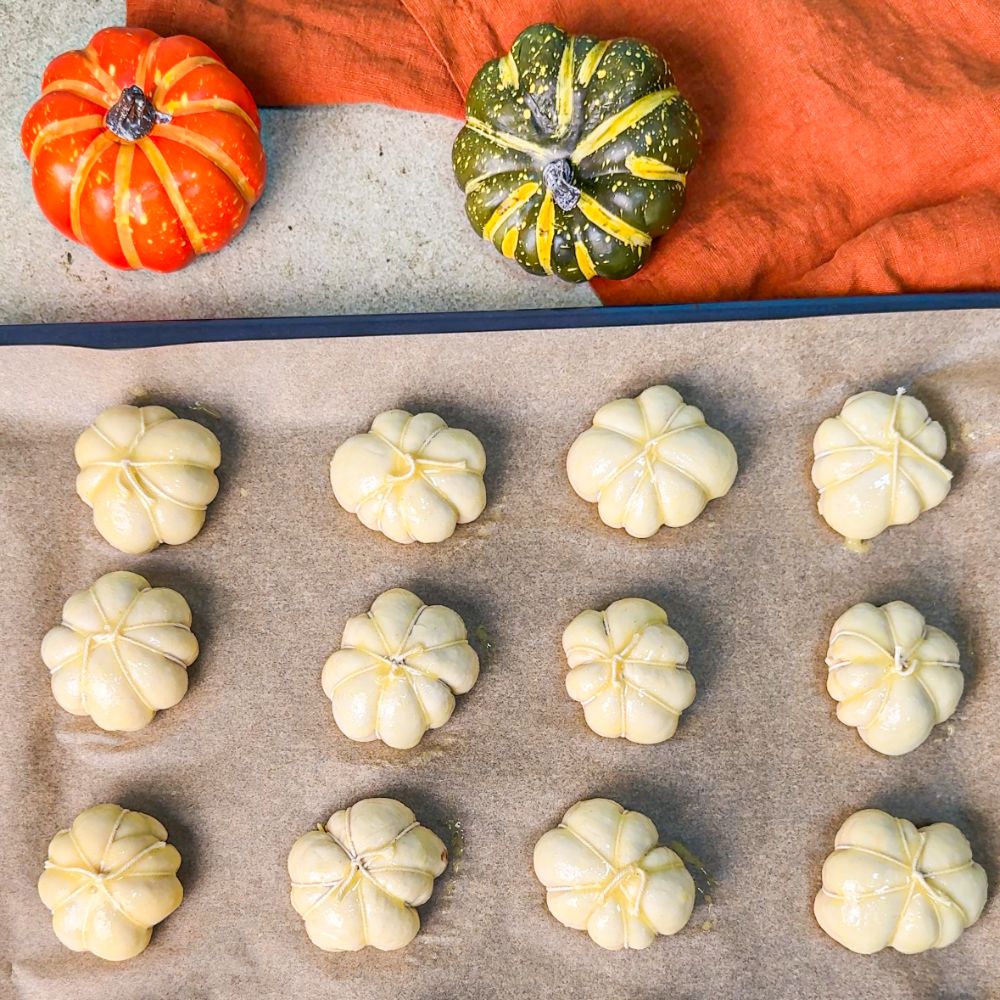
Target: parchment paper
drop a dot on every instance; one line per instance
(755, 783)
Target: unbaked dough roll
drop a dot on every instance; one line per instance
(148, 475)
(109, 879)
(894, 677)
(398, 670)
(121, 652)
(651, 461)
(878, 463)
(357, 880)
(888, 884)
(411, 476)
(604, 873)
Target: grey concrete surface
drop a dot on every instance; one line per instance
(361, 215)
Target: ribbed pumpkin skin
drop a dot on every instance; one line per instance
(184, 188)
(611, 112)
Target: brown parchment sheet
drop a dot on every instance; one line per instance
(755, 783)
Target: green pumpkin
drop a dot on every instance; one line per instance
(575, 153)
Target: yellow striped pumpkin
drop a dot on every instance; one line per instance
(575, 153)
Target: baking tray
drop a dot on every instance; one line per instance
(160, 333)
(758, 777)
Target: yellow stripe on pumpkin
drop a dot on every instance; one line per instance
(564, 89)
(162, 170)
(612, 127)
(61, 129)
(87, 91)
(506, 139)
(148, 59)
(212, 152)
(545, 232)
(508, 207)
(122, 203)
(612, 224)
(509, 242)
(100, 74)
(83, 167)
(177, 72)
(590, 63)
(510, 76)
(182, 107)
(652, 169)
(477, 182)
(583, 260)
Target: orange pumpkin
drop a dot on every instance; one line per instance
(145, 149)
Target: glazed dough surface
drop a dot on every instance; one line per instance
(651, 461)
(628, 668)
(893, 676)
(604, 874)
(122, 651)
(108, 880)
(412, 477)
(878, 464)
(398, 670)
(148, 475)
(357, 880)
(888, 884)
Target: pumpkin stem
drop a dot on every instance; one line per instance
(559, 179)
(133, 115)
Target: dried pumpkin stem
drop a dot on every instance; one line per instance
(559, 178)
(133, 115)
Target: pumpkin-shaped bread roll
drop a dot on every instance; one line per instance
(888, 884)
(894, 677)
(108, 880)
(121, 652)
(398, 670)
(651, 461)
(604, 873)
(411, 476)
(357, 881)
(628, 668)
(878, 463)
(148, 475)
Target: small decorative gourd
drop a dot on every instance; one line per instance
(575, 153)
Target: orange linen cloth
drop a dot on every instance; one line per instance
(851, 146)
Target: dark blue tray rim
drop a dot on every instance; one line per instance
(161, 333)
